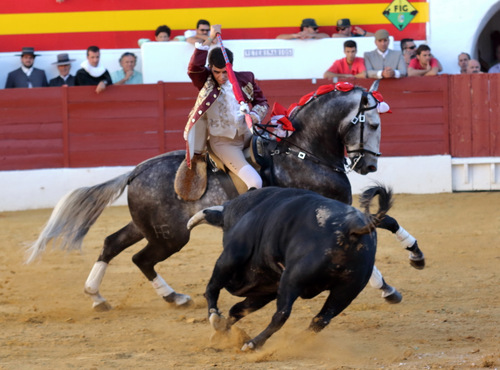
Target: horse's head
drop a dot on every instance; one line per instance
(361, 131)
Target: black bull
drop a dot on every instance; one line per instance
(288, 243)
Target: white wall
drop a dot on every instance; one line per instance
(33, 189)
(455, 26)
(299, 59)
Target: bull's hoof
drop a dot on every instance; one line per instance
(178, 299)
(417, 260)
(248, 346)
(102, 306)
(219, 322)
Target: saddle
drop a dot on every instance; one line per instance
(191, 184)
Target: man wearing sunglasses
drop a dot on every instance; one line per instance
(200, 34)
(408, 48)
(345, 29)
(308, 31)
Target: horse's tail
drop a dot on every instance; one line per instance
(74, 215)
(212, 215)
(384, 201)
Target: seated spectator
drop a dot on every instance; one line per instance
(473, 66)
(162, 34)
(496, 67)
(423, 64)
(63, 66)
(349, 66)
(92, 72)
(26, 75)
(345, 29)
(463, 60)
(127, 75)
(384, 62)
(308, 30)
(408, 49)
(200, 34)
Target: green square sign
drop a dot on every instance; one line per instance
(400, 13)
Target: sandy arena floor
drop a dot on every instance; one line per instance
(449, 317)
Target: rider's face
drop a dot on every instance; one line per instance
(220, 75)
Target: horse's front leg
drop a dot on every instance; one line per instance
(146, 259)
(417, 259)
(114, 244)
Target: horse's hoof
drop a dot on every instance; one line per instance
(417, 260)
(392, 296)
(178, 299)
(102, 306)
(218, 322)
(248, 346)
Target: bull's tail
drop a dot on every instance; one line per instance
(75, 213)
(212, 216)
(384, 202)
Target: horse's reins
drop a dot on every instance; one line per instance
(305, 154)
(301, 153)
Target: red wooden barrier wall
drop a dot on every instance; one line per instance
(74, 127)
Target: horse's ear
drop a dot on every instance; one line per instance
(374, 86)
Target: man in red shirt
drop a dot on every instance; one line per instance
(350, 66)
(424, 64)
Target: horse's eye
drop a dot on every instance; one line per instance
(374, 125)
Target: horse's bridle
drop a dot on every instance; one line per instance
(361, 119)
(305, 154)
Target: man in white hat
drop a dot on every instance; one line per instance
(64, 66)
(27, 75)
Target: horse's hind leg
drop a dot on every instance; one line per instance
(114, 244)
(147, 258)
(389, 293)
(407, 241)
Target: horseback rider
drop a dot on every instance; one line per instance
(217, 116)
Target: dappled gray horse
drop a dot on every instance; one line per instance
(312, 158)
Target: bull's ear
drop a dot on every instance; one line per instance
(374, 86)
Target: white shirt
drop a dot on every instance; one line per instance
(28, 71)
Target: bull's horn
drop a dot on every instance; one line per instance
(200, 217)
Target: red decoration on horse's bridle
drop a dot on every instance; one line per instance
(377, 95)
(324, 89)
(382, 107)
(279, 110)
(344, 86)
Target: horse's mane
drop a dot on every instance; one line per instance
(342, 87)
